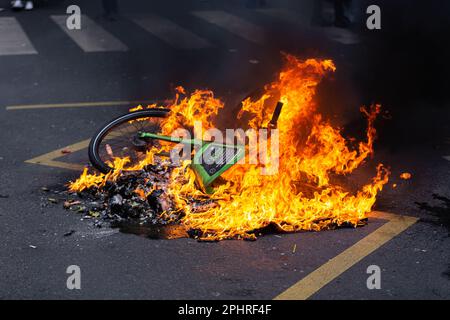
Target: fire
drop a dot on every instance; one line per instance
(303, 195)
(405, 176)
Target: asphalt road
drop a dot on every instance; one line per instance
(35, 249)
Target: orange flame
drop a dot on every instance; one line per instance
(302, 195)
(405, 176)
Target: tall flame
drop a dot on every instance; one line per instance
(302, 195)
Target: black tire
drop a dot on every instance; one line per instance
(94, 155)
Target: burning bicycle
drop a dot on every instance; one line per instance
(303, 195)
(133, 134)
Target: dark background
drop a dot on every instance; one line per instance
(404, 67)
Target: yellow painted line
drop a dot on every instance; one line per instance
(329, 271)
(77, 105)
(48, 159)
(60, 164)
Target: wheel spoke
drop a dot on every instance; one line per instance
(120, 139)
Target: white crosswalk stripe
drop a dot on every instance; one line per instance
(171, 33)
(13, 40)
(340, 35)
(233, 24)
(91, 37)
(94, 38)
(284, 15)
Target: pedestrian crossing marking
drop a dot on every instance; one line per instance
(233, 24)
(171, 33)
(91, 37)
(284, 14)
(94, 38)
(342, 35)
(13, 39)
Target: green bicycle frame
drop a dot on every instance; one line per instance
(211, 159)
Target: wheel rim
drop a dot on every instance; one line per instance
(118, 141)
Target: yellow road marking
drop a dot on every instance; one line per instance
(48, 159)
(326, 273)
(77, 105)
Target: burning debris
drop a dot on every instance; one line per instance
(134, 195)
(405, 176)
(302, 195)
(136, 198)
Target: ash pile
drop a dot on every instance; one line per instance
(135, 198)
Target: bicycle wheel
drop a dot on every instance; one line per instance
(119, 138)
